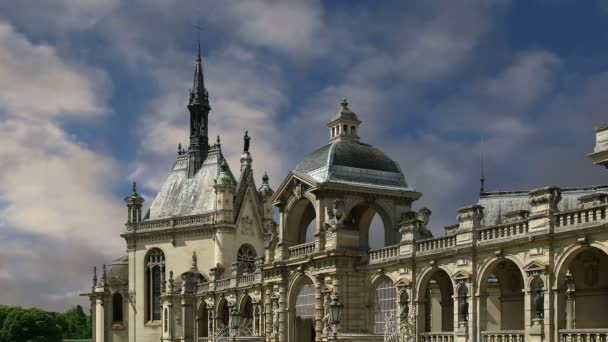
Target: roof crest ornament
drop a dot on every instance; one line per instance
(246, 142)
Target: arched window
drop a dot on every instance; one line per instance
(384, 303)
(155, 273)
(117, 308)
(246, 256)
(247, 313)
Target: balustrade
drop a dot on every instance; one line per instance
(436, 337)
(578, 216)
(438, 243)
(503, 336)
(302, 249)
(384, 253)
(502, 231)
(583, 335)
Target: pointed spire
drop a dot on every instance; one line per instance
(482, 179)
(265, 189)
(104, 276)
(198, 94)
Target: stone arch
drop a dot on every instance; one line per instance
(299, 214)
(300, 308)
(246, 310)
(222, 314)
(569, 253)
(501, 285)
(362, 213)
(581, 290)
(435, 297)
(202, 319)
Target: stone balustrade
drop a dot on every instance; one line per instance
(580, 216)
(502, 231)
(301, 249)
(436, 337)
(246, 279)
(503, 336)
(436, 244)
(382, 254)
(583, 335)
(222, 284)
(180, 222)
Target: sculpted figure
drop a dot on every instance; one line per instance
(275, 317)
(336, 214)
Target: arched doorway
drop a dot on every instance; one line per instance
(246, 311)
(501, 300)
(302, 311)
(436, 296)
(583, 290)
(223, 315)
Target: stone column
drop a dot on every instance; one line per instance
(319, 309)
(283, 312)
(570, 301)
(209, 322)
(99, 320)
(482, 314)
(267, 313)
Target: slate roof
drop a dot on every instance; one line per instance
(182, 196)
(497, 204)
(353, 162)
(117, 271)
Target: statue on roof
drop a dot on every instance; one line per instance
(247, 140)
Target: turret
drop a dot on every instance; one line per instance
(344, 124)
(266, 192)
(134, 202)
(224, 189)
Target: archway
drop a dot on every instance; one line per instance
(374, 225)
(437, 296)
(501, 300)
(223, 315)
(202, 321)
(583, 290)
(302, 311)
(246, 311)
(298, 221)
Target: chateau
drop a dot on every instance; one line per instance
(211, 261)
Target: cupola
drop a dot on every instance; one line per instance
(344, 124)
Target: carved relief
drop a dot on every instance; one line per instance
(247, 225)
(336, 215)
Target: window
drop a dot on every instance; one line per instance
(384, 304)
(305, 301)
(155, 272)
(117, 308)
(246, 256)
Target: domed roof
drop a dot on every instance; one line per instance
(351, 161)
(117, 272)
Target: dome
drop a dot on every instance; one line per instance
(117, 272)
(353, 162)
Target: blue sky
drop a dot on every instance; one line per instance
(93, 95)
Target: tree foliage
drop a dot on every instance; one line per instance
(34, 325)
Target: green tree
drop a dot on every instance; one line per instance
(33, 325)
(76, 326)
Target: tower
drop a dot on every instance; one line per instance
(134, 202)
(199, 108)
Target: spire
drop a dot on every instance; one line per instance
(265, 189)
(199, 108)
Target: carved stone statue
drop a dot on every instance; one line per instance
(326, 327)
(246, 142)
(336, 215)
(273, 234)
(275, 316)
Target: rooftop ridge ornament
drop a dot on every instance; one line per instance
(194, 261)
(344, 103)
(134, 189)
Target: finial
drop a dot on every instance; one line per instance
(247, 140)
(265, 178)
(194, 261)
(218, 140)
(104, 276)
(134, 188)
(344, 103)
(223, 165)
(94, 276)
(179, 149)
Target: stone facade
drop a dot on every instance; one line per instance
(516, 266)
